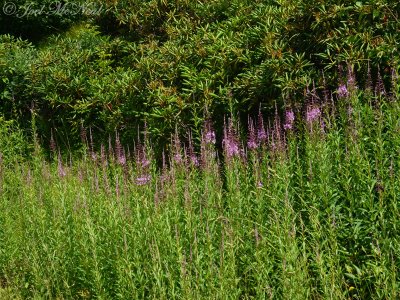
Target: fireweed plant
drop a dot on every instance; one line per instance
(307, 206)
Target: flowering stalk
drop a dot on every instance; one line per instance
(192, 157)
(177, 151)
(252, 142)
(60, 168)
(143, 179)
(380, 90)
(313, 113)
(289, 120)
(208, 140)
(209, 133)
(119, 151)
(342, 91)
(230, 141)
(261, 133)
(351, 78)
(142, 165)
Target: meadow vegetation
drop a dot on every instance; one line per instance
(306, 206)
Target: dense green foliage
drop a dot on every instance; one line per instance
(13, 144)
(311, 216)
(175, 62)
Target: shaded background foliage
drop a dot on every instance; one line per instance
(35, 20)
(174, 63)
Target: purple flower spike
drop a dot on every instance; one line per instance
(252, 144)
(230, 141)
(231, 148)
(342, 91)
(209, 135)
(122, 157)
(289, 120)
(145, 162)
(141, 157)
(289, 116)
(288, 126)
(194, 160)
(261, 133)
(252, 139)
(119, 151)
(178, 158)
(313, 114)
(142, 180)
(177, 150)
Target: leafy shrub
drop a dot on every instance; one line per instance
(70, 83)
(13, 144)
(16, 57)
(170, 63)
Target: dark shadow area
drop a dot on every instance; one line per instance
(35, 22)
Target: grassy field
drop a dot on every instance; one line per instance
(308, 208)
